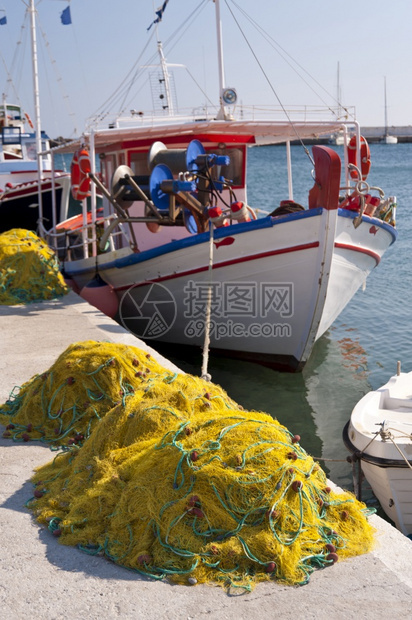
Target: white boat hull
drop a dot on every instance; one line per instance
(380, 434)
(390, 140)
(276, 287)
(393, 488)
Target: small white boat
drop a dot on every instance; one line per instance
(387, 137)
(337, 139)
(379, 433)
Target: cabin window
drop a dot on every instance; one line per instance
(31, 152)
(31, 149)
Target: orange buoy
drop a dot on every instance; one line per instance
(365, 163)
(30, 122)
(217, 218)
(79, 172)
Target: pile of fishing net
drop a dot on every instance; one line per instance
(60, 406)
(175, 480)
(29, 269)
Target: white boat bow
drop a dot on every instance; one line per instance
(379, 433)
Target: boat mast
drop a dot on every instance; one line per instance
(222, 114)
(166, 77)
(32, 12)
(386, 107)
(5, 121)
(338, 94)
(221, 67)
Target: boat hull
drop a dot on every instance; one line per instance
(19, 206)
(393, 489)
(391, 482)
(379, 434)
(277, 284)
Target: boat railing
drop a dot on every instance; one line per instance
(87, 237)
(242, 112)
(301, 113)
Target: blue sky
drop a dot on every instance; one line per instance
(82, 64)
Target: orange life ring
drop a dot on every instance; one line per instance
(79, 172)
(365, 163)
(29, 120)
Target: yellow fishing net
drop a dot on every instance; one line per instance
(60, 406)
(175, 480)
(29, 270)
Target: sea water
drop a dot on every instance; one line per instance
(360, 351)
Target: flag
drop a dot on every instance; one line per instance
(159, 14)
(66, 17)
(3, 21)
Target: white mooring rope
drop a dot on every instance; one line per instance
(205, 375)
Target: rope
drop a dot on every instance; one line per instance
(205, 375)
(59, 80)
(123, 91)
(389, 436)
(273, 89)
(283, 54)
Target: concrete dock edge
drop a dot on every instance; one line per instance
(42, 579)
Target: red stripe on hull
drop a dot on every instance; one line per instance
(235, 261)
(24, 190)
(356, 248)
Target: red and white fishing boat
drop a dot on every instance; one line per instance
(192, 263)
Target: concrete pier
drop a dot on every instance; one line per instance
(44, 580)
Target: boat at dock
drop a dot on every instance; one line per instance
(190, 261)
(379, 435)
(19, 173)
